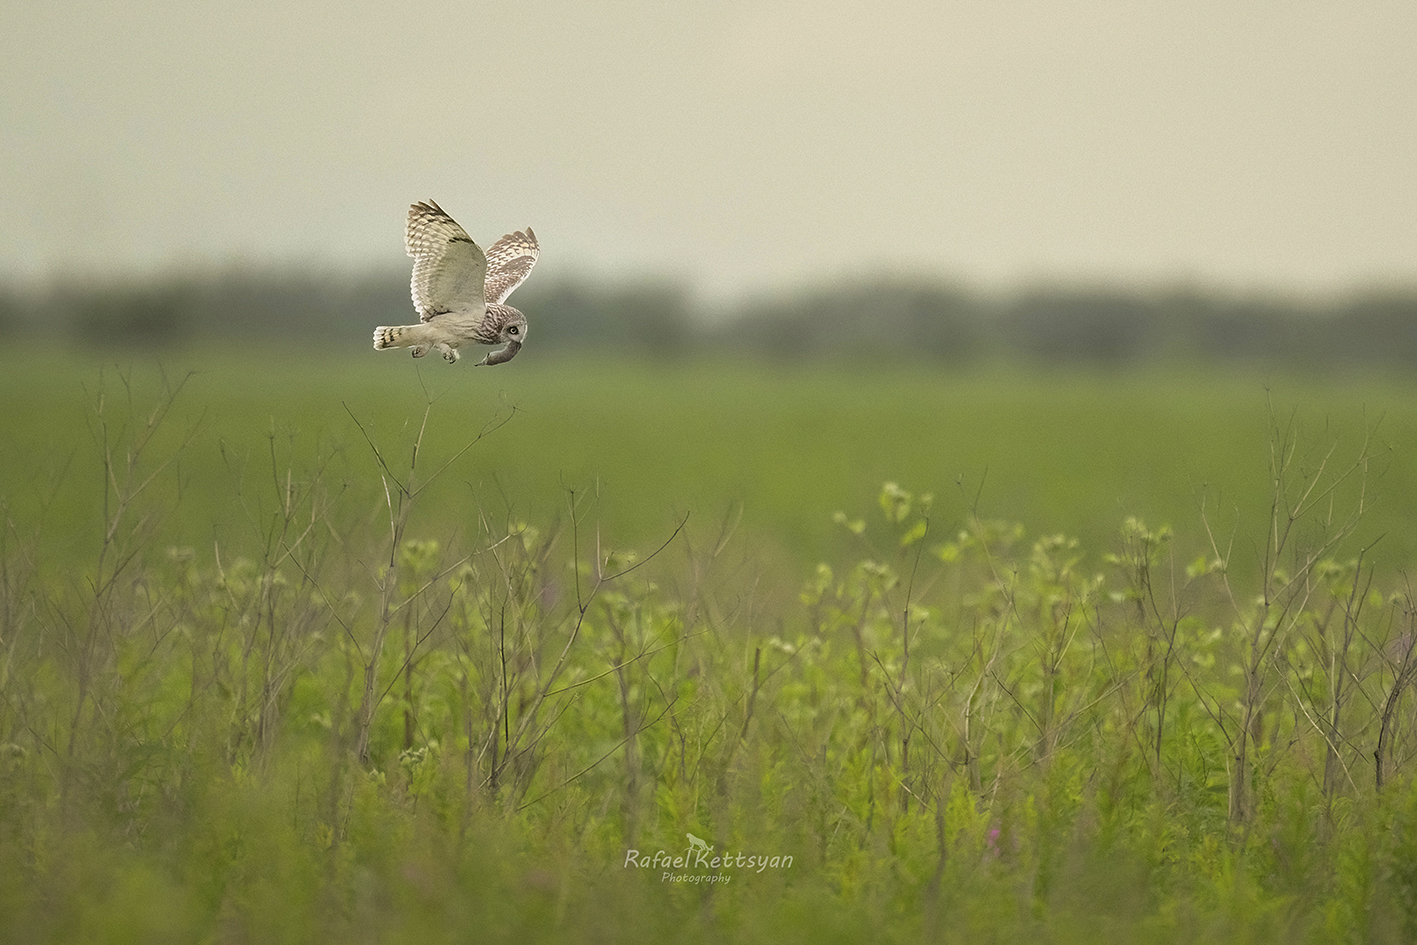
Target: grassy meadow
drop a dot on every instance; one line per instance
(355, 648)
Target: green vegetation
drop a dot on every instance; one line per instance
(286, 656)
(1062, 451)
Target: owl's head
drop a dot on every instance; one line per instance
(513, 330)
(504, 325)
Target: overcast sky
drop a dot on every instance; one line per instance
(739, 145)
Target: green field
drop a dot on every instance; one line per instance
(226, 717)
(1058, 451)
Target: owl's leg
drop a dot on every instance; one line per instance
(420, 350)
(450, 354)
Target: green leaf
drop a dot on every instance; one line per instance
(914, 533)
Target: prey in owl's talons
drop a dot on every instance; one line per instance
(503, 355)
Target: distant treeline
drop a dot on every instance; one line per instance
(889, 318)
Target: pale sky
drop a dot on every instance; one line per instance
(742, 146)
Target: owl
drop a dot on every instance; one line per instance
(459, 290)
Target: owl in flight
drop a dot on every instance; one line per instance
(459, 290)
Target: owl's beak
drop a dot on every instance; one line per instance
(502, 356)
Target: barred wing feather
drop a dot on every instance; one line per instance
(449, 269)
(509, 262)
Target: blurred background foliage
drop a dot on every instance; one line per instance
(920, 318)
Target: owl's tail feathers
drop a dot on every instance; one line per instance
(386, 337)
(416, 337)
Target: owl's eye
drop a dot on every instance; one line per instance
(514, 330)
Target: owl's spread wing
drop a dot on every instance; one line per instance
(509, 262)
(449, 269)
